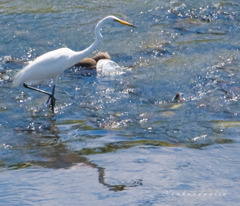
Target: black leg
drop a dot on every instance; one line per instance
(51, 95)
(53, 99)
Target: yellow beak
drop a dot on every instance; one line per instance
(125, 23)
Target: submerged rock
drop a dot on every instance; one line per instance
(90, 63)
(179, 98)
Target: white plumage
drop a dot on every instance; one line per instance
(53, 63)
(47, 66)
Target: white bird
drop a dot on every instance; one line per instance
(53, 63)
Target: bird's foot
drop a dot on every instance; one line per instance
(52, 101)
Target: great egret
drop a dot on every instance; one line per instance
(53, 63)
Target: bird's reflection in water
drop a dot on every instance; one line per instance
(56, 155)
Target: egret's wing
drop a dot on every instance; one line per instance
(47, 66)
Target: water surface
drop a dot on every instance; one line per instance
(122, 139)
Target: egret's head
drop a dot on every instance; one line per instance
(110, 19)
(106, 20)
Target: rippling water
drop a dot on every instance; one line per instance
(122, 139)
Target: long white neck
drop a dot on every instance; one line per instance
(78, 56)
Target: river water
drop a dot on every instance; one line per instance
(122, 139)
